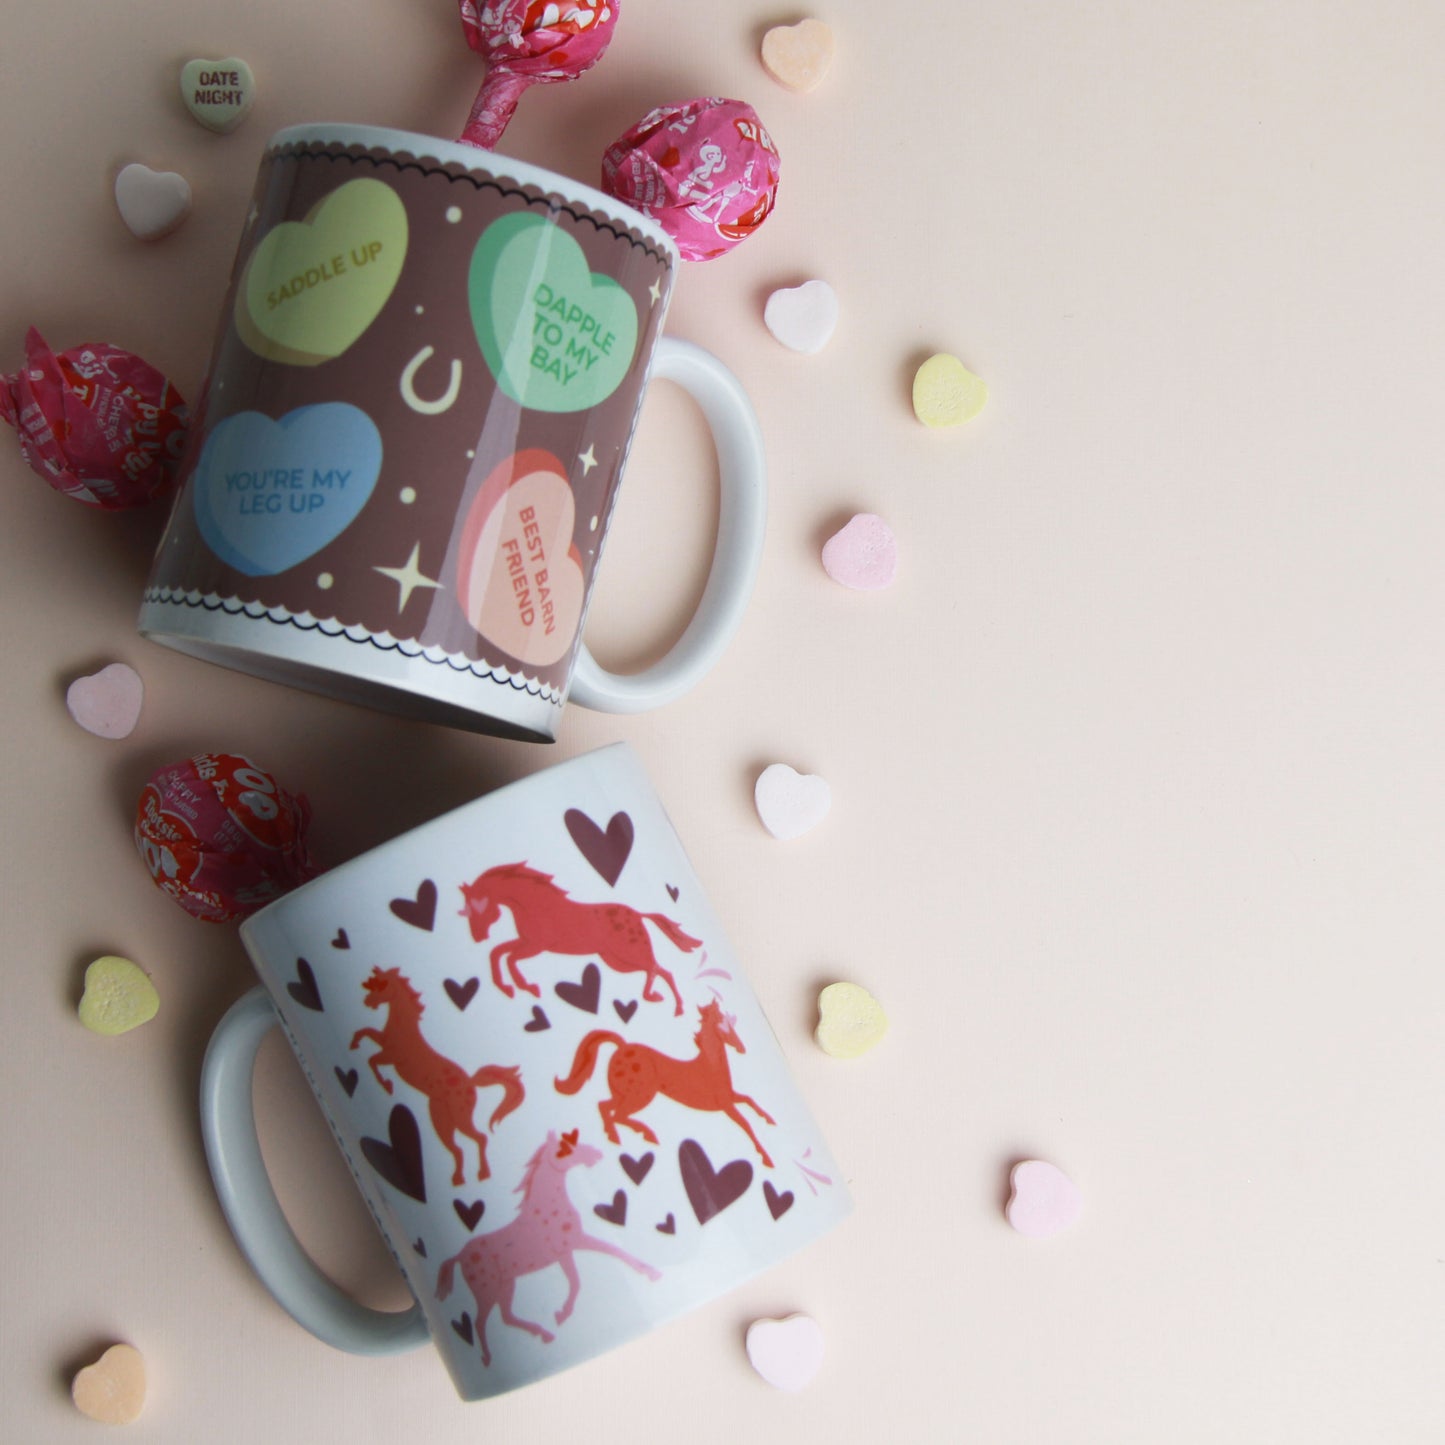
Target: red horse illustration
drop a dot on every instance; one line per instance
(451, 1090)
(547, 1231)
(548, 921)
(638, 1074)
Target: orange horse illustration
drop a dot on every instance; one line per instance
(548, 921)
(547, 1231)
(450, 1089)
(638, 1074)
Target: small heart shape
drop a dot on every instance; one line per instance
(789, 803)
(1043, 1199)
(421, 911)
(107, 703)
(347, 1078)
(607, 851)
(305, 990)
(218, 93)
(113, 1389)
(538, 1022)
(779, 1201)
(946, 393)
(420, 1246)
(803, 318)
(341, 940)
(461, 994)
(151, 203)
(463, 1327)
(787, 1353)
(798, 56)
(668, 1226)
(625, 1010)
(118, 996)
(710, 1190)
(863, 554)
(398, 1159)
(850, 1020)
(470, 1214)
(637, 1169)
(614, 1213)
(585, 995)
(672, 892)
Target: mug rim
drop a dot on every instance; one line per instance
(618, 749)
(475, 158)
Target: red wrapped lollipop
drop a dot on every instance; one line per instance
(527, 42)
(706, 171)
(222, 837)
(97, 423)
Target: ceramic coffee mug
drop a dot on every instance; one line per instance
(429, 367)
(552, 1083)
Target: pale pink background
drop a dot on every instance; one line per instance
(1139, 820)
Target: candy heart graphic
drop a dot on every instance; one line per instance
(519, 575)
(557, 336)
(269, 494)
(218, 93)
(151, 203)
(113, 1389)
(1044, 1199)
(312, 287)
(786, 1353)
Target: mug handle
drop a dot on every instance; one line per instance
(228, 1123)
(742, 516)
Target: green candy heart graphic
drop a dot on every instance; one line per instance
(557, 336)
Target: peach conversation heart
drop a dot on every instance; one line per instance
(113, 1389)
(798, 56)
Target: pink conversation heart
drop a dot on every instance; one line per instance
(108, 702)
(863, 555)
(786, 1353)
(1044, 1199)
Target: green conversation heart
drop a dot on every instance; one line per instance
(312, 287)
(557, 336)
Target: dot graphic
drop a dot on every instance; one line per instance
(325, 580)
(454, 214)
(592, 525)
(471, 455)
(408, 495)
(419, 310)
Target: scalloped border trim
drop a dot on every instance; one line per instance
(334, 627)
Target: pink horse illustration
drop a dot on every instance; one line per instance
(547, 1231)
(548, 921)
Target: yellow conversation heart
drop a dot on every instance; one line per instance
(312, 287)
(946, 393)
(118, 996)
(850, 1020)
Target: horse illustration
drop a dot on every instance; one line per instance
(638, 1074)
(548, 921)
(450, 1089)
(546, 1231)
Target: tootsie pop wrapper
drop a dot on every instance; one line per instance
(95, 422)
(222, 837)
(529, 42)
(706, 171)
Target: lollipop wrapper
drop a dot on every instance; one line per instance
(222, 837)
(97, 423)
(706, 171)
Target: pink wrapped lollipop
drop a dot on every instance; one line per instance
(706, 171)
(526, 42)
(95, 422)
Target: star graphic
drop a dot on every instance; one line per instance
(407, 577)
(655, 291)
(588, 459)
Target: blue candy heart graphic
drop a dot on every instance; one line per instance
(269, 494)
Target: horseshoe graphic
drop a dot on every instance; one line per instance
(439, 404)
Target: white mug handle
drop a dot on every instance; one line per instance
(742, 517)
(228, 1124)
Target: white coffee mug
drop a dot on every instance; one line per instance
(552, 1082)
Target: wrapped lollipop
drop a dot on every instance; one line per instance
(95, 422)
(706, 171)
(222, 837)
(529, 42)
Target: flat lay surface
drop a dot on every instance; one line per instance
(1103, 754)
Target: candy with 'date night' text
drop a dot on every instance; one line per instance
(221, 837)
(798, 56)
(151, 203)
(112, 1391)
(789, 803)
(118, 996)
(946, 393)
(218, 93)
(96, 423)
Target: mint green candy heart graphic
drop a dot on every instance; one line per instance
(557, 336)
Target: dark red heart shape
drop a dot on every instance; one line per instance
(779, 1201)
(585, 995)
(470, 1214)
(399, 1161)
(347, 1079)
(606, 852)
(341, 940)
(625, 1010)
(636, 1169)
(463, 1327)
(710, 1190)
(672, 892)
(421, 911)
(668, 1226)
(461, 994)
(538, 1021)
(420, 1246)
(304, 990)
(614, 1213)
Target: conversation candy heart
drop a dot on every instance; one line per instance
(802, 317)
(218, 93)
(118, 996)
(850, 1020)
(862, 555)
(789, 803)
(1044, 1200)
(798, 56)
(113, 1389)
(151, 203)
(946, 393)
(787, 1353)
(108, 702)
